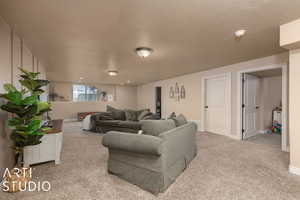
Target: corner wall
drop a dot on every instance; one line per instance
(290, 39)
(191, 105)
(10, 60)
(294, 115)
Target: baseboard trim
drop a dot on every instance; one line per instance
(263, 131)
(235, 137)
(70, 120)
(294, 170)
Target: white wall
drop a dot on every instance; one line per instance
(271, 96)
(191, 106)
(10, 61)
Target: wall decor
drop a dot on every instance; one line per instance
(182, 92)
(171, 92)
(177, 92)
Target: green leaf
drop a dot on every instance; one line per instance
(13, 97)
(30, 100)
(31, 111)
(23, 133)
(38, 92)
(12, 108)
(38, 133)
(43, 106)
(23, 91)
(41, 83)
(14, 122)
(24, 71)
(34, 125)
(9, 87)
(29, 84)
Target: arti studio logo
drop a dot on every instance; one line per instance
(19, 179)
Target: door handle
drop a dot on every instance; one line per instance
(205, 106)
(257, 107)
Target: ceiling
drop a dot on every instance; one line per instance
(81, 38)
(267, 73)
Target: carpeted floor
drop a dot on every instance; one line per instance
(267, 139)
(224, 169)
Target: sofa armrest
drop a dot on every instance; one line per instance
(178, 142)
(136, 143)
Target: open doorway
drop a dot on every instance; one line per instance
(263, 106)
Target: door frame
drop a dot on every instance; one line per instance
(227, 76)
(284, 67)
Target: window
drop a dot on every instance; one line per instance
(84, 93)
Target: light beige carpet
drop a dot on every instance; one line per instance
(267, 139)
(224, 169)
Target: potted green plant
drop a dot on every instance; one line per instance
(27, 111)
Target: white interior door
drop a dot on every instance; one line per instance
(215, 105)
(250, 106)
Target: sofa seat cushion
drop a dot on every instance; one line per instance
(108, 123)
(156, 127)
(130, 124)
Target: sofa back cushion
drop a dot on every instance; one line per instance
(139, 112)
(144, 114)
(131, 115)
(116, 113)
(156, 127)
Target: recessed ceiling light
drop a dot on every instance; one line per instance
(240, 33)
(129, 81)
(143, 51)
(81, 78)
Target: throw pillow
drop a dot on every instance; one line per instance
(139, 112)
(172, 115)
(116, 113)
(180, 120)
(131, 115)
(107, 116)
(156, 127)
(143, 114)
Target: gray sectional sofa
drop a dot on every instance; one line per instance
(154, 159)
(119, 120)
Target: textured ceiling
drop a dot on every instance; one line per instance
(81, 38)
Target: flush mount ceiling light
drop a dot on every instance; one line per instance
(112, 71)
(240, 33)
(143, 51)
